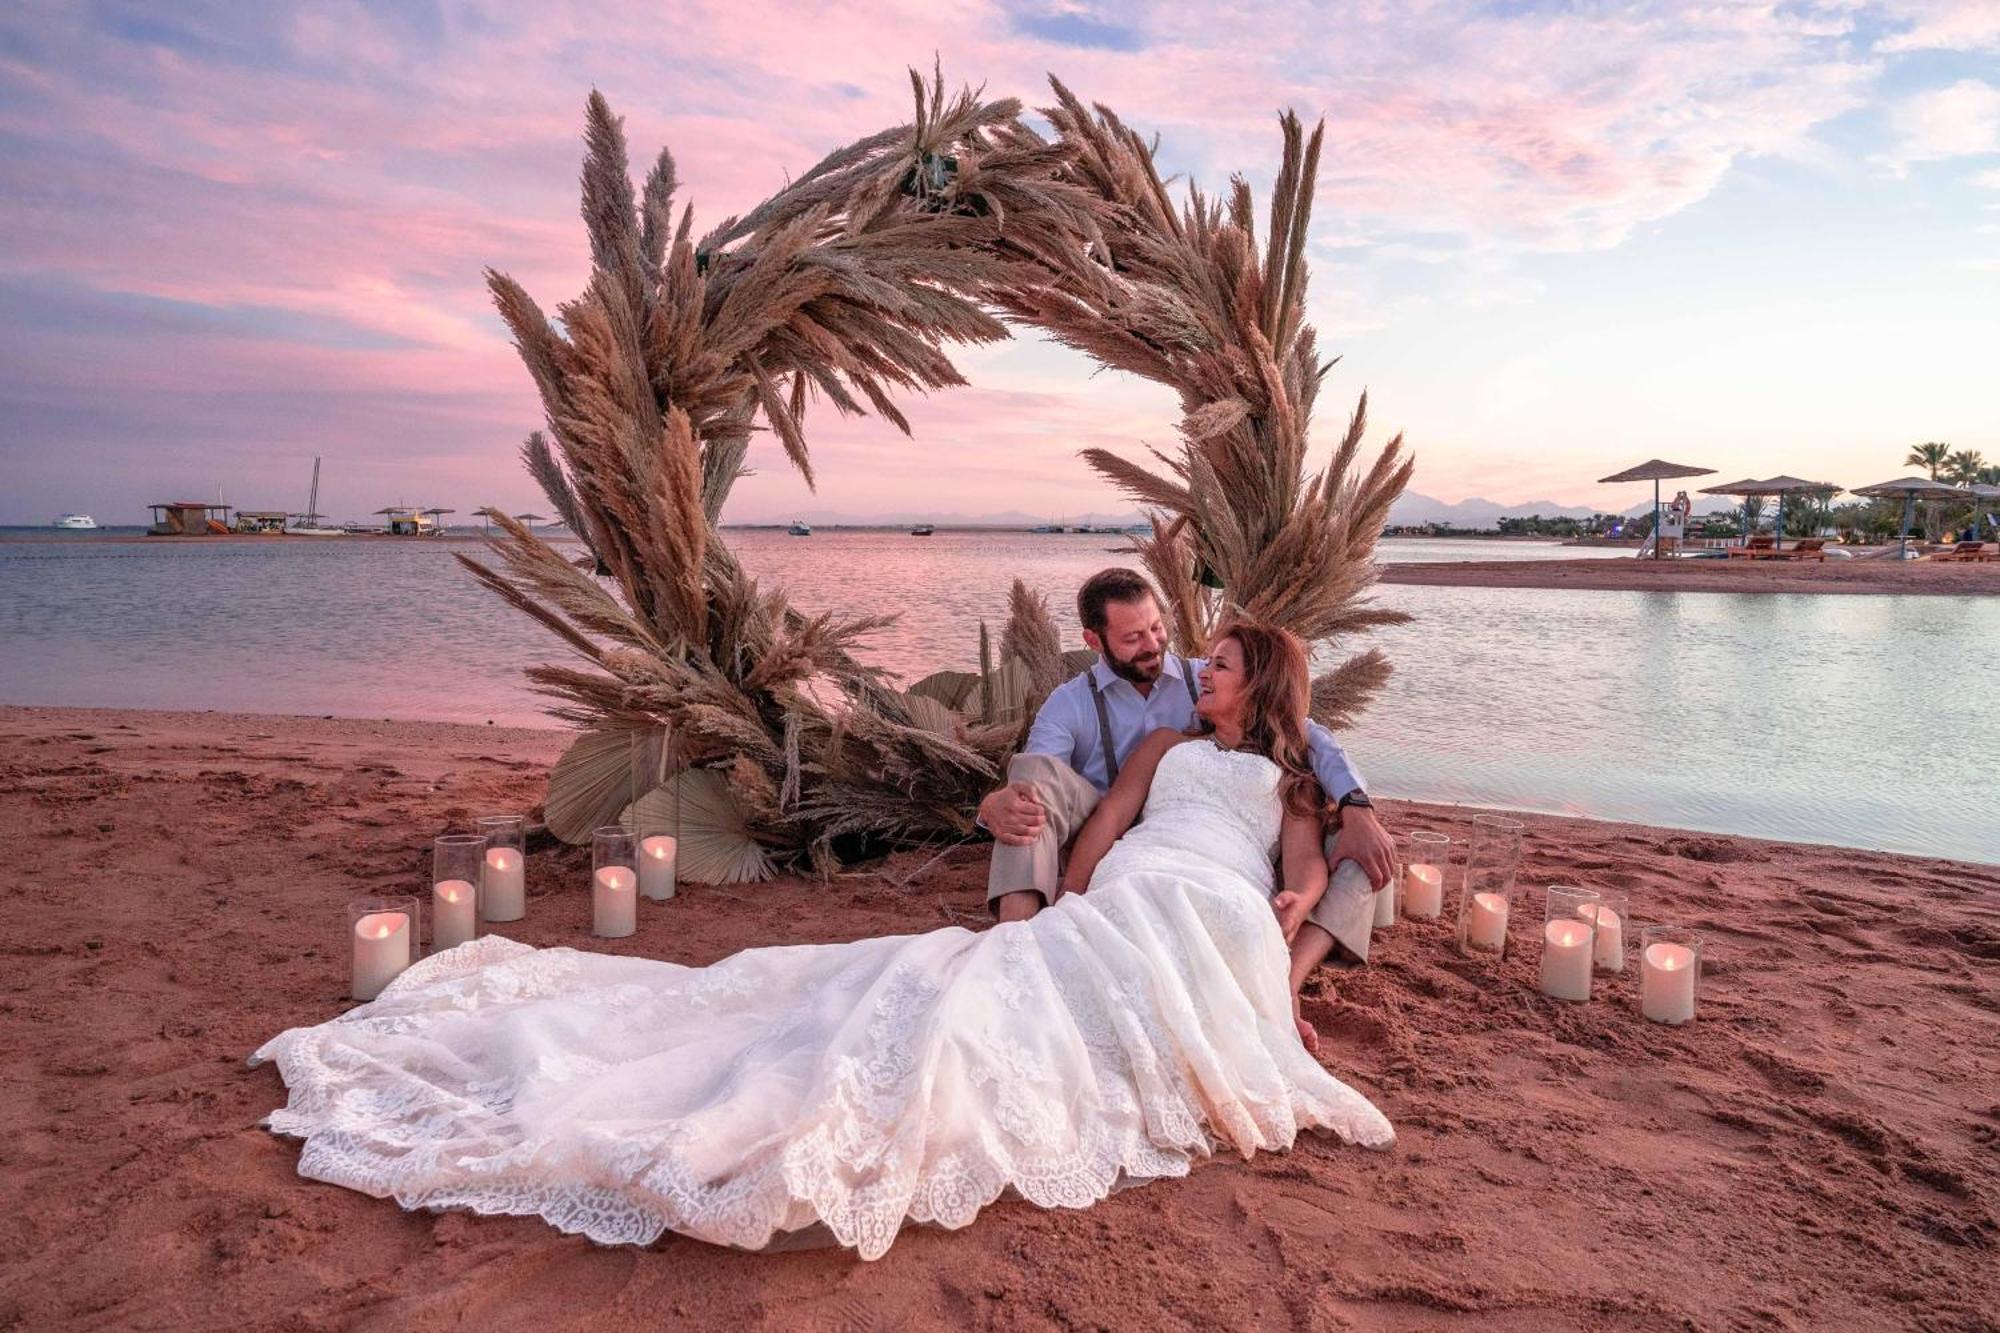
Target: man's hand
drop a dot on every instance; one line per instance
(1364, 841)
(1292, 909)
(1014, 814)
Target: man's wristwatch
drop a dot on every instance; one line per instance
(1355, 797)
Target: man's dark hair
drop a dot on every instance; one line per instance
(1116, 584)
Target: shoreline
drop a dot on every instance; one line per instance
(1810, 1153)
(1833, 577)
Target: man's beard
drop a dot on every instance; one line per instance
(1141, 671)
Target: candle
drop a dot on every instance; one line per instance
(657, 855)
(451, 913)
(506, 885)
(1610, 936)
(1566, 959)
(1385, 905)
(1666, 983)
(381, 951)
(614, 906)
(1423, 890)
(1486, 922)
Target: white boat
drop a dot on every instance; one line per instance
(76, 522)
(308, 524)
(800, 528)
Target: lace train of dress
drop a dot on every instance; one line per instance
(1114, 1038)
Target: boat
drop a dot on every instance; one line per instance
(922, 530)
(76, 523)
(308, 524)
(800, 528)
(1046, 527)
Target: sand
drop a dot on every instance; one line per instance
(1930, 577)
(1816, 1152)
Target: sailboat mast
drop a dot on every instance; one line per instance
(312, 504)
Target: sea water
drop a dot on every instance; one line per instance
(1862, 720)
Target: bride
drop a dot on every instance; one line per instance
(1143, 1020)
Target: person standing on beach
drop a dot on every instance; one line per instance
(1090, 725)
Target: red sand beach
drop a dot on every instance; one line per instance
(1817, 1152)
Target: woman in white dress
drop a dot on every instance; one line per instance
(1140, 1022)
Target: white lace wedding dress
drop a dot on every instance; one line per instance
(1114, 1038)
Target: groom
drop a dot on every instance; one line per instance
(1090, 725)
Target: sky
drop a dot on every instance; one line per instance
(1551, 240)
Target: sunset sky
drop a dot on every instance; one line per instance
(1551, 240)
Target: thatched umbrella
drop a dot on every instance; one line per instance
(1912, 489)
(1656, 470)
(1784, 486)
(1746, 489)
(1778, 486)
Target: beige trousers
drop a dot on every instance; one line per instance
(1068, 799)
(1346, 912)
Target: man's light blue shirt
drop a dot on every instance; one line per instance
(1066, 727)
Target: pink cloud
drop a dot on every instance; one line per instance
(347, 175)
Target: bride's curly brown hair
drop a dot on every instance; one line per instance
(1277, 698)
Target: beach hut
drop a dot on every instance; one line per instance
(261, 520)
(1912, 489)
(1656, 471)
(187, 518)
(436, 517)
(403, 521)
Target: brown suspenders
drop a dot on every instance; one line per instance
(1104, 716)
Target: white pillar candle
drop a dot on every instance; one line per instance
(381, 951)
(614, 902)
(451, 913)
(1423, 890)
(1610, 936)
(506, 885)
(1486, 922)
(657, 855)
(1385, 905)
(1566, 959)
(1666, 983)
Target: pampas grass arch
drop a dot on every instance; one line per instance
(843, 290)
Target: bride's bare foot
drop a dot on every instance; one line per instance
(1307, 1032)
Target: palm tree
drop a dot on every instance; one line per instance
(1989, 475)
(1962, 468)
(1931, 454)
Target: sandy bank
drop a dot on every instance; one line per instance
(1816, 1153)
(1832, 576)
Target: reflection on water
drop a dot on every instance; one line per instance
(1866, 721)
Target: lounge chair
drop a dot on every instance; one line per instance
(1755, 547)
(1806, 548)
(1966, 551)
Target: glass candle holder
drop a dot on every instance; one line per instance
(1608, 915)
(655, 813)
(458, 862)
(382, 941)
(1423, 875)
(1492, 859)
(1569, 942)
(503, 894)
(1669, 973)
(614, 882)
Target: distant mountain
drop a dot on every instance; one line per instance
(1478, 513)
(1411, 508)
(1008, 518)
